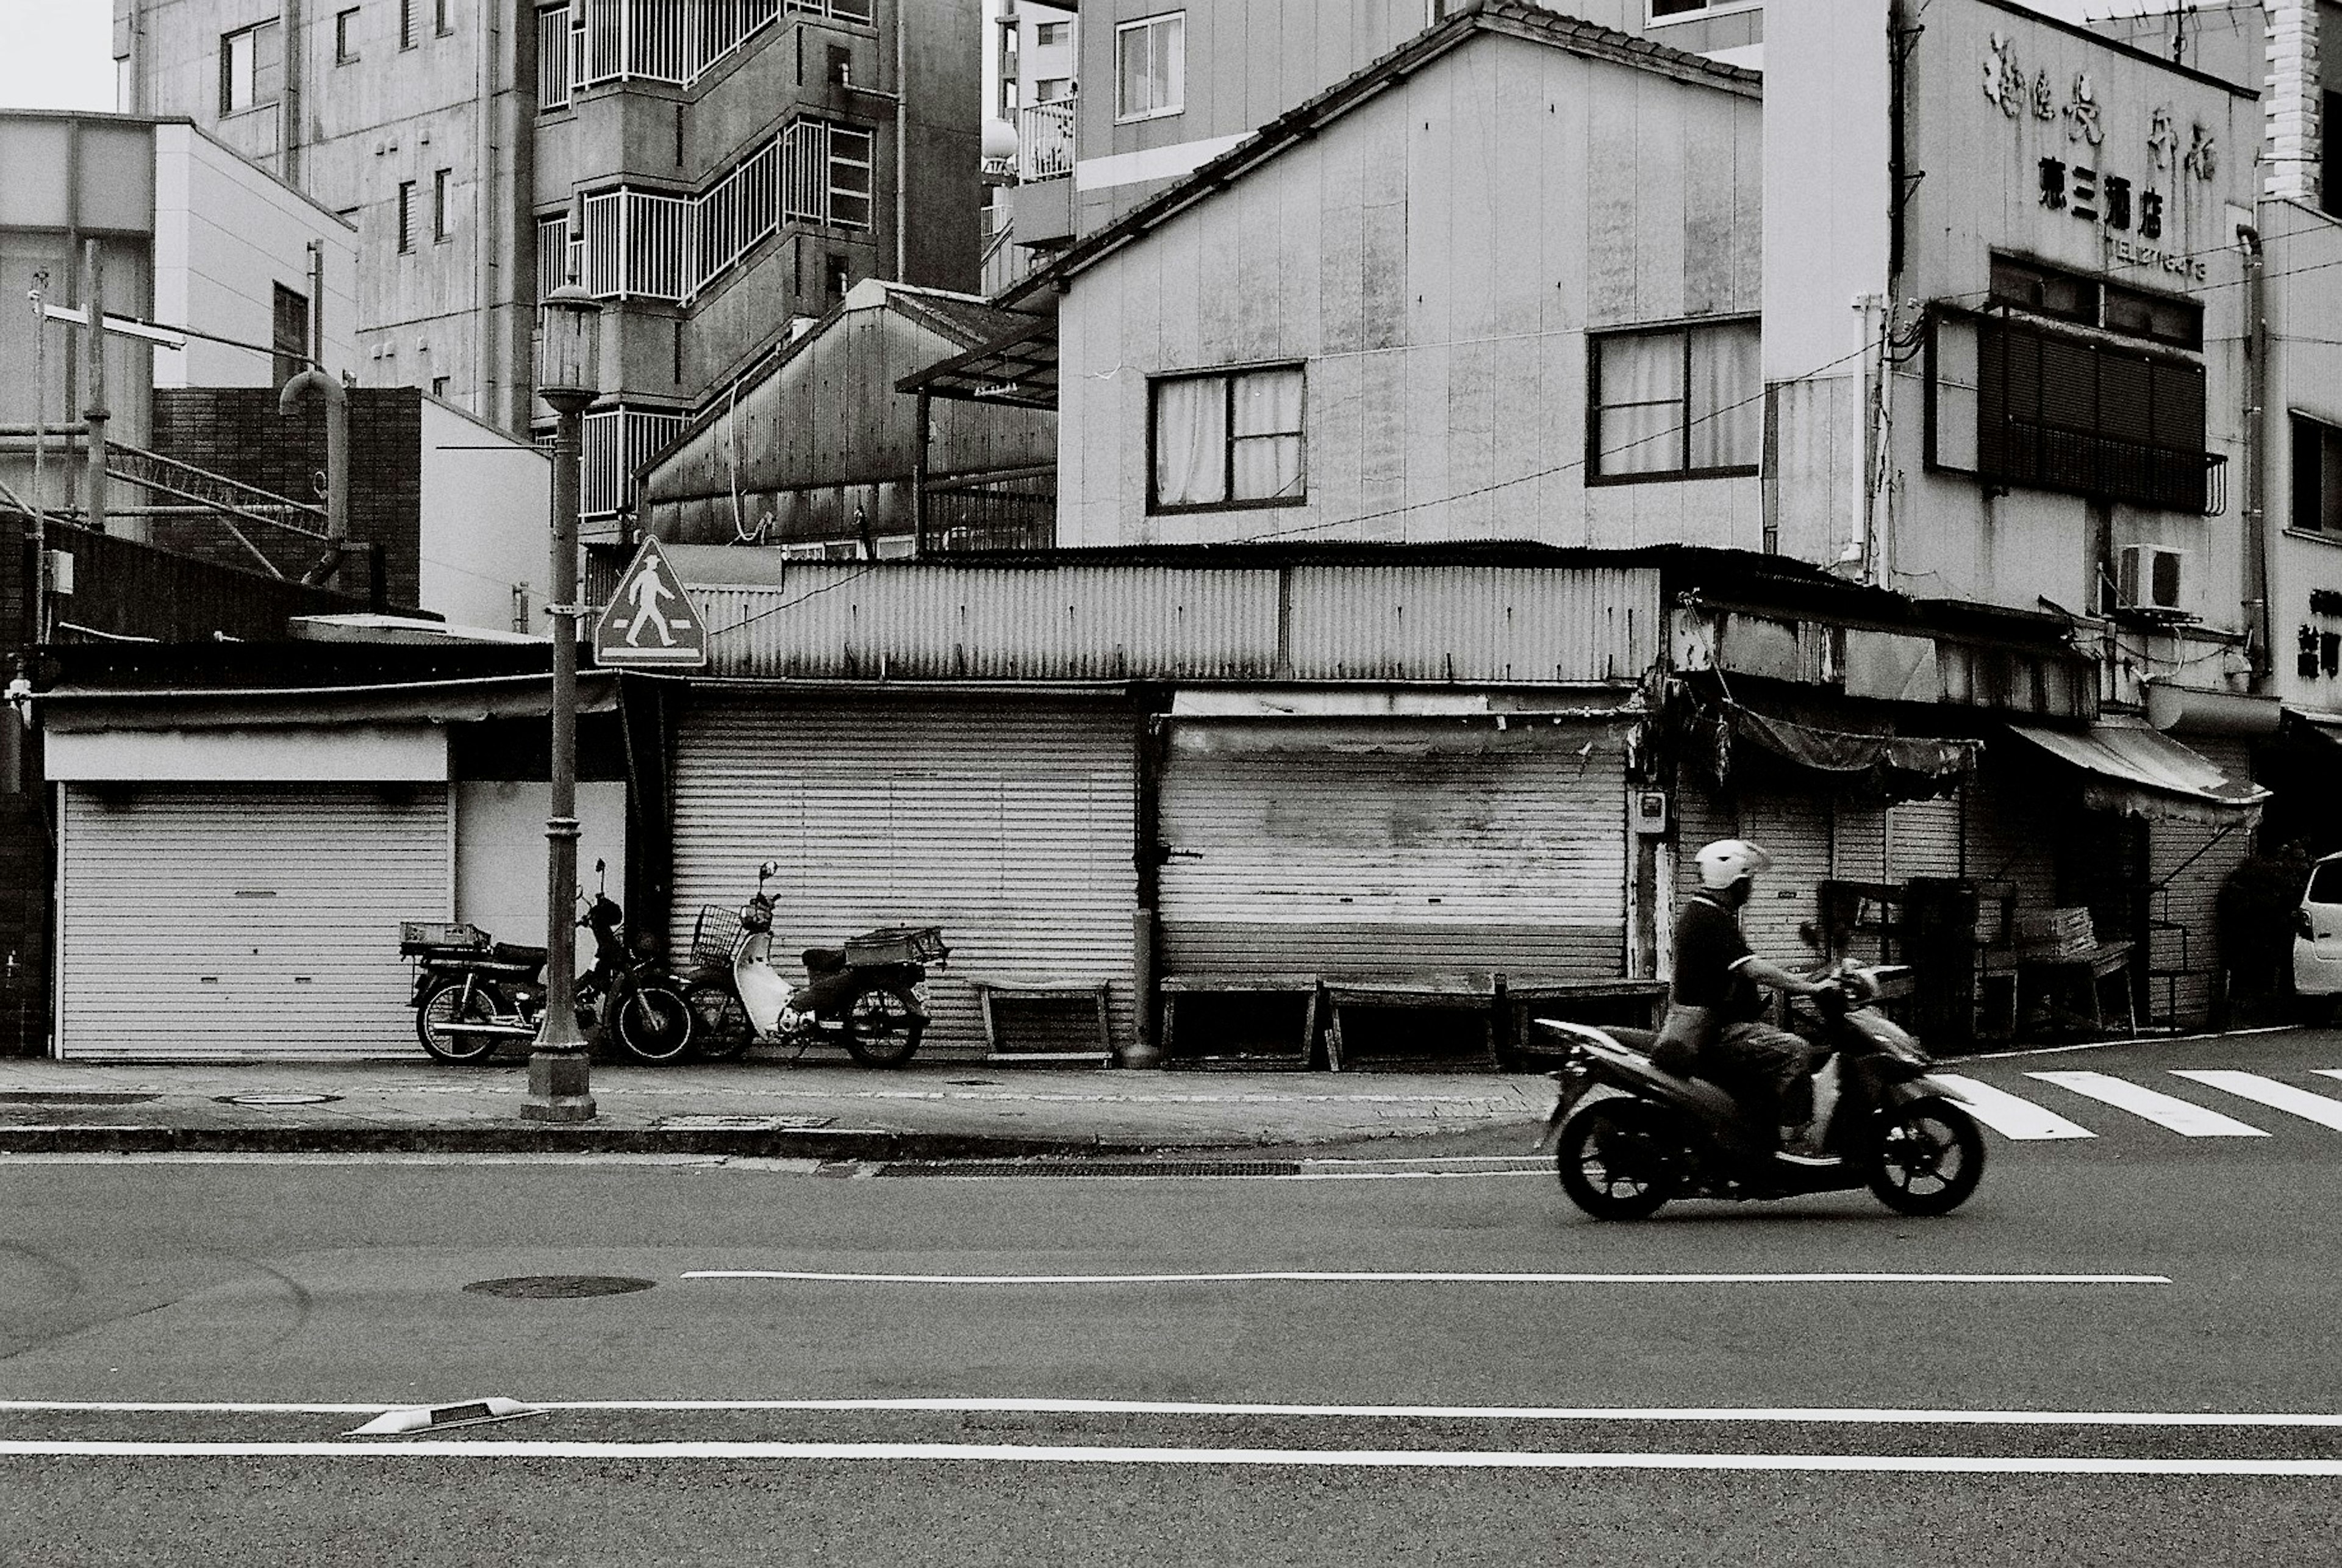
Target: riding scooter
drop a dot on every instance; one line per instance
(869, 995)
(471, 992)
(1629, 1135)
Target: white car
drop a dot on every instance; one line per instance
(2317, 933)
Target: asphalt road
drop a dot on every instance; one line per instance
(2120, 1351)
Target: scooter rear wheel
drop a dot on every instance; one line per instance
(446, 1004)
(1618, 1159)
(1929, 1157)
(883, 1026)
(719, 1024)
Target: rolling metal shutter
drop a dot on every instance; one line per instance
(1795, 830)
(1293, 856)
(1009, 825)
(1924, 838)
(2187, 862)
(197, 921)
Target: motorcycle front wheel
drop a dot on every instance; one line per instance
(652, 1024)
(1617, 1159)
(446, 1004)
(1929, 1157)
(719, 1024)
(883, 1026)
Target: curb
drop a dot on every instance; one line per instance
(848, 1145)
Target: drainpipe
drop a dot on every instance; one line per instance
(289, 111)
(338, 418)
(902, 137)
(2260, 623)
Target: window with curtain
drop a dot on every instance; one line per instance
(1226, 441)
(1676, 402)
(252, 67)
(1150, 67)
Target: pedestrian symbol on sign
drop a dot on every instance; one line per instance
(650, 623)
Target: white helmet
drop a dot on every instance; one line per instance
(1730, 860)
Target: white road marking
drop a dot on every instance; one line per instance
(2010, 1116)
(2322, 1109)
(1350, 1276)
(2329, 1072)
(1717, 1415)
(1085, 1453)
(2164, 1110)
(2116, 1044)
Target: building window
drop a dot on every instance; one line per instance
(288, 335)
(443, 221)
(2060, 411)
(1434, 12)
(844, 10)
(2317, 477)
(252, 67)
(1049, 89)
(408, 23)
(1220, 442)
(442, 17)
(2062, 295)
(439, 386)
(1683, 10)
(345, 36)
(1050, 34)
(405, 215)
(837, 276)
(1676, 402)
(2329, 144)
(1150, 67)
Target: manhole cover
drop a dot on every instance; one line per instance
(287, 1098)
(552, 1287)
(73, 1097)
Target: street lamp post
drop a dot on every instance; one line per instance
(568, 344)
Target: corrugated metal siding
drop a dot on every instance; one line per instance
(2187, 862)
(928, 620)
(1924, 838)
(1350, 862)
(1010, 825)
(247, 920)
(2012, 843)
(1489, 623)
(1795, 830)
(1858, 841)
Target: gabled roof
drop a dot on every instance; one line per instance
(1513, 18)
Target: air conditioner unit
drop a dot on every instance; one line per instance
(2150, 578)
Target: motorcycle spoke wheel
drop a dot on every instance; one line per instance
(654, 1024)
(883, 1026)
(719, 1024)
(1618, 1160)
(447, 1004)
(1929, 1158)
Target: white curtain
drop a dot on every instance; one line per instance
(1640, 430)
(1266, 458)
(1191, 437)
(1727, 402)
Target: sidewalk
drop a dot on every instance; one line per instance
(750, 1109)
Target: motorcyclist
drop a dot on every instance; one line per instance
(1715, 1013)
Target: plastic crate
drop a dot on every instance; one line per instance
(715, 935)
(417, 937)
(897, 944)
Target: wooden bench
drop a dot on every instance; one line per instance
(2038, 972)
(1520, 998)
(1081, 993)
(1299, 1052)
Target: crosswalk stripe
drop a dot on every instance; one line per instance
(2010, 1116)
(2191, 1120)
(2323, 1109)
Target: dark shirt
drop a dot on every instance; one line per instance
(1709, 955)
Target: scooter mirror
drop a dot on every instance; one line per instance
(770, 868)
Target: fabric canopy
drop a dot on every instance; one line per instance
(2132, 768)
(1893, 767)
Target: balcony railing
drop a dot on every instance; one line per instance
(1045, 140)
(2023, 452)
(616, 442)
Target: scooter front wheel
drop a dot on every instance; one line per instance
(1928, 1158)
(446, 1004)
(883, 1026)
(719, 1024)
(652, 1024)
(1618, 1159)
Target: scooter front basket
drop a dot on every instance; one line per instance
(715, 936)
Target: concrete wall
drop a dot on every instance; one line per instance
(2305, 301)
(1437, 264)
(486, 514)
(226, 233)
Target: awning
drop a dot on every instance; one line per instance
(2313, 726)
(2132, 768)
(1892, 767)
(84, 709)
(1019, 366)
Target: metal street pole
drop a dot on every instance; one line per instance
(559, 1077)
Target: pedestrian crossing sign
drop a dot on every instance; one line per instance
(649, 623)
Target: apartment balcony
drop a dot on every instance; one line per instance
(2041, 456)
(1042, 201)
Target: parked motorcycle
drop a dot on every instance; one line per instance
(869, 995)
(1656, 1136)
(629, 996)
(471, 992)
